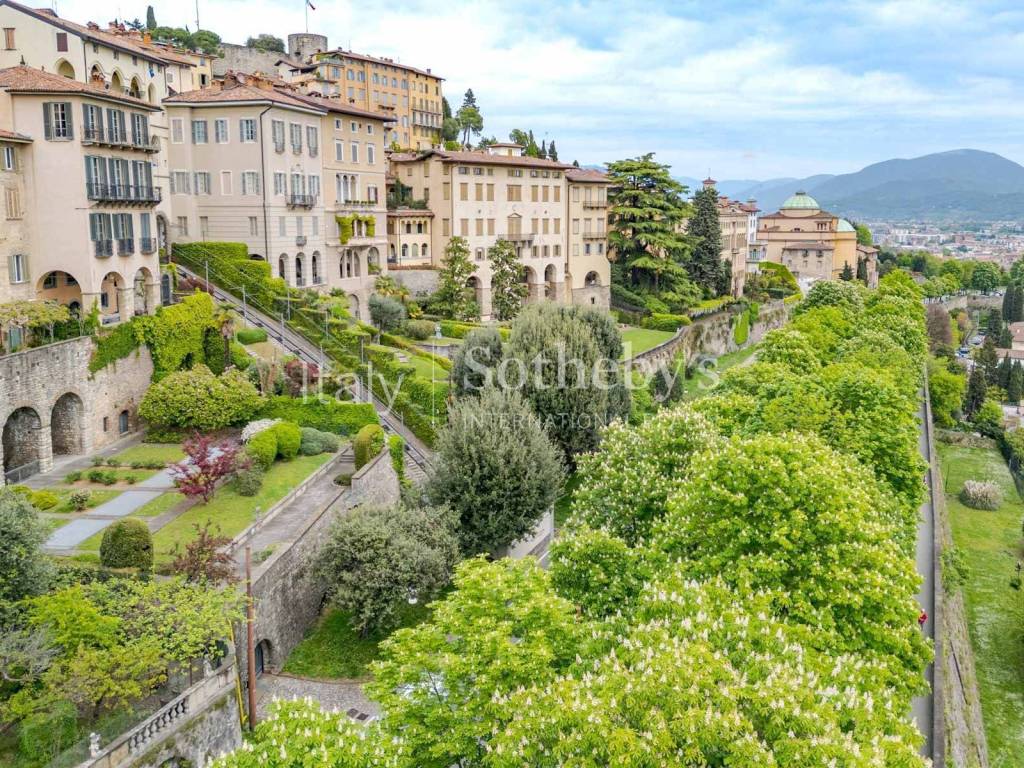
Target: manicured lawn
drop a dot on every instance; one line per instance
(150, 452)
(265, 350)
(427, 369)
(333, 650)
(706, 376)
(564, 502)
(97, 496)
(229, 511)
(991, 542)
(165, 502)
(637, 340)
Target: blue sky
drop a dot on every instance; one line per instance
(737, 89)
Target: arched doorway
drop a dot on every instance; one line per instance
(550, 283)
(144, 298)
(262, 654)
(353, 306)
(64, 69)
(314, 267)
(135, 89)
(22, 436)
(111, 293)
(61, 287)
(592, 280)
(116, 83)
(300, 278)
(392, 256)
(372, 258)
(66, 425)
(280, 267)
(529, 278)
(161, 230)
(477, 288)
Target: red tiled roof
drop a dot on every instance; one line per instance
(27, 80)
(241, 93)
(337, 105)
(809, 246)
(482, 158)
(12, 136)
(586, 175)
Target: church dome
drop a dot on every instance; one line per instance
(801, 201)
(845, 226)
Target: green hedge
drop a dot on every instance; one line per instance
(341, 418)
(412, 349)
(396, 447)
(231, 268)
(367, 443)
(251, 335)
(289, 438)
(176, 334)
(454, 329)
(665, 322)
(116, 345)
(262, 448)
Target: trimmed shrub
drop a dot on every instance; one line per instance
(419, 329)
(396, 447)
(456, 330)
(103, 477)
(368, 442)
(387, 314)
(262, 448)
(239, 357)
(981, 495)
(251, 335)
(79, 500)
(314, 442)
(43, 499)
(289, 438)
(249, 480)
(198, 399)
(660, 321)
(22, 490)
(326, 415)
(127, 544)
(73, 477)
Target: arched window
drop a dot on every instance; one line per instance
(424, 252)
(298, 270)
(315, 268)
(405, 251)
(415, 250)
(280, 267)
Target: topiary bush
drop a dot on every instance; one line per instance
(251, 335)
(127, 544)
(368, 442)
(981, 495)
(315, 442)
(262, 448)
(289, 438)
(419, 329)
(661, 321)
(239, 357)
(325, 415)
(43, 499)
(396, 447)
(197, 399)
(249, 480)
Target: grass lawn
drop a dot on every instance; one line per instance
(427, 369)
(150, 452)
(637, 340)
(706, 377)
(991, 542)
(333, 650)
(96, 497)
(165, 502)
(231, 512)
(265, 350)
(564, 502)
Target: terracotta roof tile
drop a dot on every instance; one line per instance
(28, 80)
(240, 93)
(337, 105)
(585, 175)
(12, 136)
(481, 158)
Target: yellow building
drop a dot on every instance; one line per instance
(814, 244)
(409, 96)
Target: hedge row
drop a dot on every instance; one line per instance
(341, 418)
(231, 268)
(665, 322)
(454, 329)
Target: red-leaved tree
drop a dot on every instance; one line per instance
(207, 463)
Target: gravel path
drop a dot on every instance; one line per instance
(340, 695)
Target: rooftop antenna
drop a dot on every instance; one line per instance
(197, 16)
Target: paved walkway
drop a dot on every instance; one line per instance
(62, 465)
(339, 695)
(923, 707)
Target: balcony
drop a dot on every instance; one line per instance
(301, 201)
(596, 234)
(122, 193)
(125, 246)
(100, 138)
(595, 203)
(361, 204)
(103, 248)
(279, 147)
(300, 240)
(521, 238)
(147, 245)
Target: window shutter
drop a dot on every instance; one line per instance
(170, 177)
(47, 121)
(241, 130)
(12, 272)
(71, 120)
(89, 177)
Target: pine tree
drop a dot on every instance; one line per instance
(1003, 373)
(508, 291)
(1008, 304)
(1017, 309)
(150, 18)
(988, 360)
(976, 387)
(552, 152)
(456, 269)
(469, 117)
(543, 148)
(994, 328)
(1015, 386)
(706, 231)
(847, 273)
(862, 270)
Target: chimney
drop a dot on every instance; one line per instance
(231, 80)
(92, 25)
(147, 37)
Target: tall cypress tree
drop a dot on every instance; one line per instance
(1003, 373)
(847, 273)
(150, 18)
(1015, 386)
(552, 152)
(705, 262)
(1008, 304)
(976, 387)
(988, 360)
(1017, 307)
(862, 270)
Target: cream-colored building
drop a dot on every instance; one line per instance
(93, 208)
(409, 96)
(409, 237)
(738, 223)
(587, 269)
(289, 175)
(490, 195)
(15, 234)
(814, 244)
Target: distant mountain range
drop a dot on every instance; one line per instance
(959, 185)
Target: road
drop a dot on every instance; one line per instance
(295, 343)
(923, 707)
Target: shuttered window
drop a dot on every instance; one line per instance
(58, 124)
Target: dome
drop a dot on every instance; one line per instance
(801, 201)
(845, 226)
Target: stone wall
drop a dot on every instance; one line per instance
(711, 335)
(241, 59)
(969, 301)
(287, 593)
(419, 282)
(595, 296)
(58, 406)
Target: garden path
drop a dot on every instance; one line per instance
(340, 695)
(69, 536)
(923, 707)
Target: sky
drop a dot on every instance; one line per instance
(740, 90)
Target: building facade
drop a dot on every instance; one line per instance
(409, 237)
(492, 195)
(814, 244)
(15, 234)
(587, 269)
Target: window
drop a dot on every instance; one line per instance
(145, 226)
(12, 203)
(177, 130)
(100, 228)
(123, 226)
(250, 183)
(277, 133)
(140, 130)
(355, 152)
(298, 226)
(463, 191)
(313, 140)
(280, 180)
(9, 159)
(220, 131)
(180, 183)
(123, 422)
(254, 227)
(514, 193)
(371, 154)
(183, 225)
(115, 126)
(199, 135)
(9, 38)
(226, 186)
(479, 227)
(446, 188)
(204, 226)
(445, 227)
(371, 194)
(490, 193)
(57, 124)
(296, 133)
(490, 226)
(62, 42)
(314, 186)
(282, 226)
(369, 129)
(247, 130)
(339, 151)
(464, 227)
(354, 127)
(478, 192)
(202, 182)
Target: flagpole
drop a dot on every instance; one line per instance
(305, 7)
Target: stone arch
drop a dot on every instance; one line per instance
(528, 276)
(415, 250)
(117, 81)
(263, 652)
(353, 306)
(592, 280)
(474, 284)
(405, 251)
(392, 256)
(135, 88)
(550, 282)
(61, 287)
(23, 444)
(281, 267)
(113, 294)
(145, 291)
(67, 425)
(300, 262)
(64, 68)
(151, 93)
(373, 256)
(424, 252)
(96, 74)
(314, 267)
